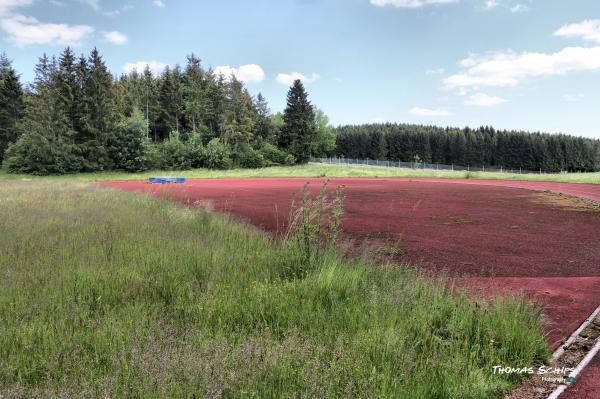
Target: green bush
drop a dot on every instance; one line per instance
(129, 145)
(174, 153)
(217, 155)
(195, 150)
(248, 157)
(273, 155)
(34, 154)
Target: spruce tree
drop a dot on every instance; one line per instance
(299, 135)
(101, 118)
(12, 106)
(194, 94)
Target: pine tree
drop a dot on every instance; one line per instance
(170, 101)
(194, 94)
(12, 106)
(299, 135)
(264, 128)
(46, 145)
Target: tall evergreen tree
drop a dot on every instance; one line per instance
(12, 106)
(100, 101)
(194, 94)
(299, 135)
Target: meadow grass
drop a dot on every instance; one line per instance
(112, 294)
(318, 170)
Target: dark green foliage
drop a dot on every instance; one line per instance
(482, 147)
(175, 154)
(299, 135)
(11, 104)
(129, 145)
(217, 155)
(47, 143)
(274, 155)
(36, 154)
(195, 150)
(248, 157)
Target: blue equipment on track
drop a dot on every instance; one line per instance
(166, 180)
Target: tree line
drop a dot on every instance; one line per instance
(77, 117)
(475, 147)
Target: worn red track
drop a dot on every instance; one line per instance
(499, 235)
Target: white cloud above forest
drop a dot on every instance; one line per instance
(23, 30)
(507, 68)
(250, 73)
(116, 37)
(289, 78)
(156, 67)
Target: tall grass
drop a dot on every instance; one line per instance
(320, 170)
(112, 294)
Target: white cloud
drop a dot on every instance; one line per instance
(116, 38)
(509, 68)
(7, 5)
(159, 3)
(437, 71)
(289, 78)
(23, 30)
(587, 30)
(250, 73)
(519, 8)
(429, 112)
(484, 100)
(572, 98)
(410, 3)
(155, 66)
(489, 4)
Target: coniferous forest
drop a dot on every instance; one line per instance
(77, 117)
(481, 147)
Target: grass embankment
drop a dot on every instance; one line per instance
(320, 170)
(112, 294)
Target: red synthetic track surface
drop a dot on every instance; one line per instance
(501, 235)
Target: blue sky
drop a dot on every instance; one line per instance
(517, 64)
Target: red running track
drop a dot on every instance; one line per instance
(499, 235)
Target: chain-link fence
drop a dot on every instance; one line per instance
(422, 165)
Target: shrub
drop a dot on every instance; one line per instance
(129, 146)
(248, 157)
(34, 154)
(195, 150)
(217, 155)
(273, 155)
(174, 153)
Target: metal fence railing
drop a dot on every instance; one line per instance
(422, 165)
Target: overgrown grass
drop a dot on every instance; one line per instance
(113, 294)
(319, 170)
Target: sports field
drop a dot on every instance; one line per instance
(540, 238)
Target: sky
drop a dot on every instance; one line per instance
(512, 64)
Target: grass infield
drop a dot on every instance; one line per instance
(319, 170)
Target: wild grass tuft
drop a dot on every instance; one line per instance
(113, 294)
